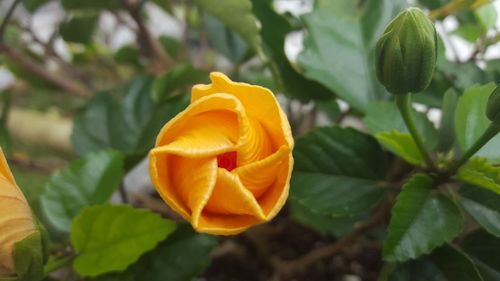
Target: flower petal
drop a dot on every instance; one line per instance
(184, 183)
(225, 224)
(266, 169)
(230, 197)
(259, 103)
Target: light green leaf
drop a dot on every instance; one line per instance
(237, 15)
(176, 81)
(469, 32)
(401, 144)
(483, 206)
(447, 131)
(471, 121)
(339, 48)
(385, 117)
(486, 15)
(421, 221)
(87, 181)
(337, 171)
(109, 238)
(479, 172)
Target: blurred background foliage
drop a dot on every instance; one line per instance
(86, 86)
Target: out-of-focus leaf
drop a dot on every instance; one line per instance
(91, 4)
(483, 248)
(224, 40)
(420, 222)
(479, 172)
(385, 117)
(109, 238)
(87, 181)
(183, 256)
(469, 32)
(331, 108)
(483, 206)
(29, 257)
(471, 121)
(486, 15)
(33, 5)
(455, 264)
(79, 29)
(176, 81)
(129, 125)
(339, 51)
(434, 4)
(236, 15)
(447, 129)
(274, 30)
(128, 54)
(416, 270)
(171, 45)
(401, 144)
(336, 172)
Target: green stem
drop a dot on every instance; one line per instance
(404, 105)
(490, 132)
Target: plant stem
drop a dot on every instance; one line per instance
(58, 264)
(404, 105)
(490, 132)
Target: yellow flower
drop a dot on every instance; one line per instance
(224, 163)
(16, 220)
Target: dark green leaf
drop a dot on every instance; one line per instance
(106, 241)
(79, 29)
(91, 4)
(33, 5)
(447, 131)
(183, 256)
(484, 249)
(420, 221)
(87, 181)
(455, 264)
(471, 121)
(176, 81)
(236, 15)
(227, 42)
(29, 257)
(417, 270)
(339, 50)
(385, 117)
(483, 206)
(129, 125)
(274, 30)
(336, 171)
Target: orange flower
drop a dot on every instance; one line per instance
(16, 220)
(224, 163)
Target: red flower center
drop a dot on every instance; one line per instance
(227, 160)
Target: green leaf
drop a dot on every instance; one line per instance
(79, 29)
(417, 270)
(176, 81)
(420, 221)
(227, 42)
(274, 30)
(87, 181)
(129, 125)
(325, 225)
(483, 206)
(237, 15)
(469, 32)
(486, 15)
(90, 4)
(183, 256)
(471, 121)
(385, 117)
(483, 248)
(337, 171)
(109, 238)
(339, 50)
(401, 144)
(479, 172)
(33, 5)
(455, 264)
(29, 257)
(447, 131)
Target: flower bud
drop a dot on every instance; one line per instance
(493, 107)
(406, 53)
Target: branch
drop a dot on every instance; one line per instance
(5, 21)
(150, 47)
(37, 69)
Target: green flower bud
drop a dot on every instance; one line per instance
(493, 108)
(406, 53)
